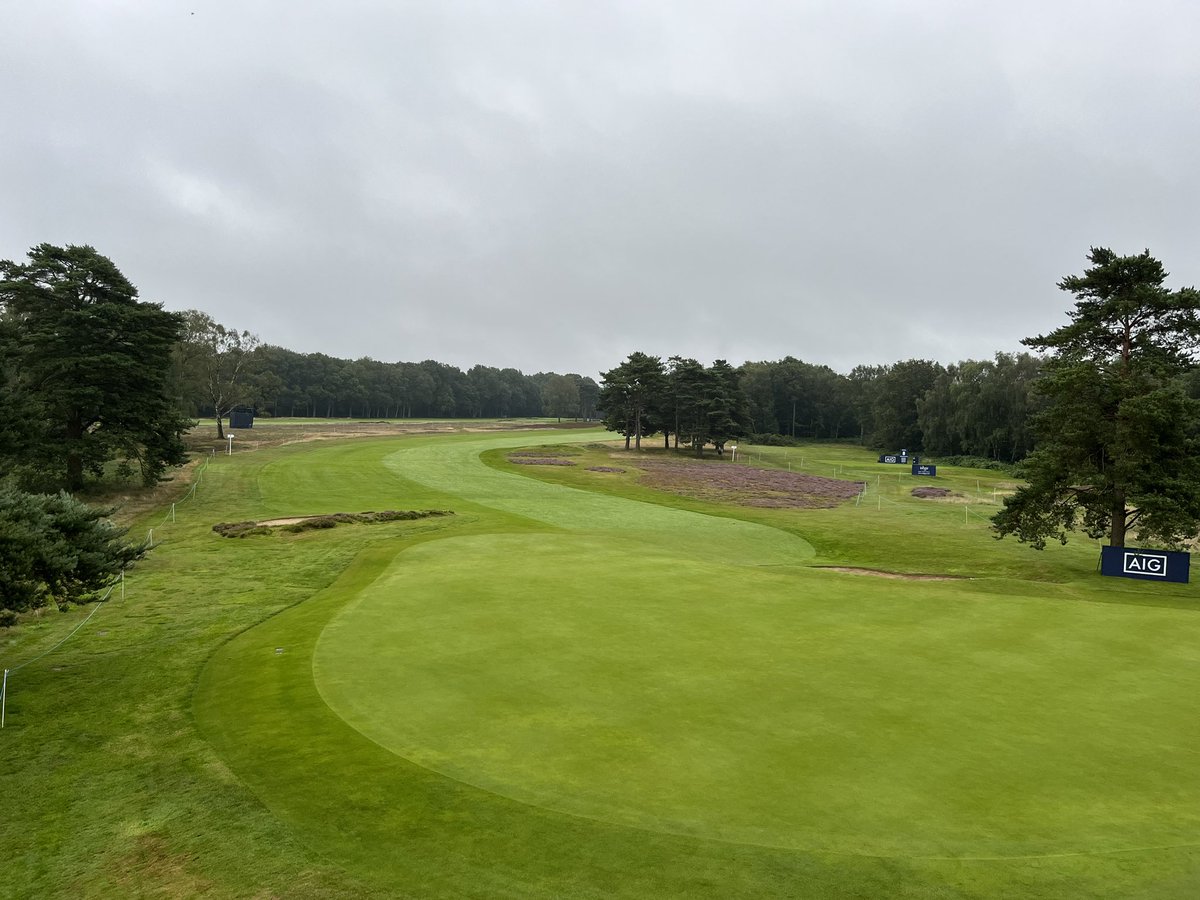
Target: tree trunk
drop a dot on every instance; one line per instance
(1116, 536)
(74, 456)
(220, 428)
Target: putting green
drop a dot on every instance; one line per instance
(682, 673)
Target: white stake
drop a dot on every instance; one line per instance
(3, 698)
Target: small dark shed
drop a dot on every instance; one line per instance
(241, 418)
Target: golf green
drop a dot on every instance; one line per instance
(686, 674)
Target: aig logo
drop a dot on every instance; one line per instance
(1136, 563)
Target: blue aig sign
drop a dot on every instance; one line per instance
(902, 458)
(1148, 565)
(920, 469)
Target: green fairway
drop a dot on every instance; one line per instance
(579, 687)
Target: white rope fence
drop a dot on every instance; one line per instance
(119, 583)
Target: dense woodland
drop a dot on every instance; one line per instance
(280, 382)
(972, 408)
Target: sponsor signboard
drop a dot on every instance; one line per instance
(919, 469)
(902, 458)
(1148, 565)
(241, 418)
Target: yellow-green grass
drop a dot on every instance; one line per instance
(579, 687)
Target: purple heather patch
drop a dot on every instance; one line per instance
(749, 486)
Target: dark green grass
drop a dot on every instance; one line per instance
(116, 783)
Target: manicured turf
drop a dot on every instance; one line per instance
(578, 687)
(763, 707)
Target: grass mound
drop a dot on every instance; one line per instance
(332, 520)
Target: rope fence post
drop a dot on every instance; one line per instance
(4, 698)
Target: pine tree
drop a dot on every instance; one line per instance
(85, 365)
(1118, 444)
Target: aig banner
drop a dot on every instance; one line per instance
(1150, 565)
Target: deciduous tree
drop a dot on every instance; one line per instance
(560, 396)
(215, 359)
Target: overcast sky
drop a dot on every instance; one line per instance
(552, 185)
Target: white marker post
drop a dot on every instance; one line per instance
(230, 451)
(3, 698)
(733, 458)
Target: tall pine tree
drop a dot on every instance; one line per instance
(1118, 439)
(84, 365)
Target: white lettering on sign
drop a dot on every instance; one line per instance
(1145, 564)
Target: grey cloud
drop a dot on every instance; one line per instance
(552, 185)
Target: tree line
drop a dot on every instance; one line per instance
(974, 408)
(216, 369)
